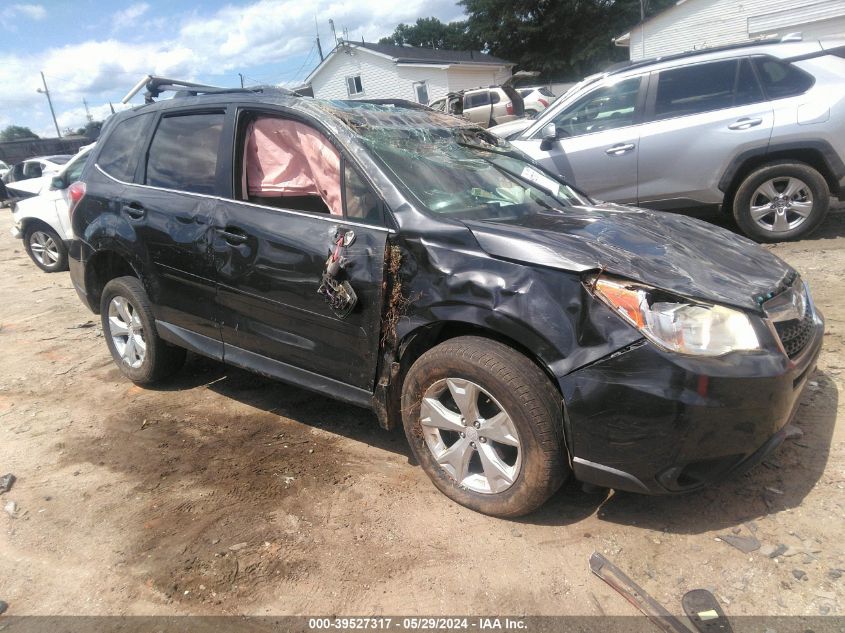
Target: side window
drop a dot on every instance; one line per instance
(695, 89)
(354, 85)
(747, 87)
(289, 165)
(476, 99)
(362, 203)
(421, 90)
(494, 97)
(781, 79)
(183, 154)
(32, 170)
(74, 170)
(119, 155)
(605, 108)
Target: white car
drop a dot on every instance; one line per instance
(536, 99)
(4, 169)
(43, 221)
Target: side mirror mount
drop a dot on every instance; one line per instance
(548, 135)
(57, 183)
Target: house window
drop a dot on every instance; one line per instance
(421, 89)
(354, 86)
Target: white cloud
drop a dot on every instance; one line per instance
(31, 11)
(233, 39)
(128, 16)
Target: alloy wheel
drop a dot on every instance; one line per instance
(44, 248)
(781, 204)
(127, 332)
(470, 435)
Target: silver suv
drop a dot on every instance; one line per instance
(757, 129)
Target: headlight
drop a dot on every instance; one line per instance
(676, 324)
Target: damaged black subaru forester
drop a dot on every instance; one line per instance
(399, 259)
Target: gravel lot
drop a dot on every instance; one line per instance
(225, 493)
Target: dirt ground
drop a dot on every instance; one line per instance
(225, 493)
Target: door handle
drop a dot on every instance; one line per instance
(134, 210)
(232, 235)
(619, 149)
(744, 123)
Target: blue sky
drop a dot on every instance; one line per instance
(98, 49)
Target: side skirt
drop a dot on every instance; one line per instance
(268, 367)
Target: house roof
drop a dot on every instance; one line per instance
(416, 55)
(413, 54)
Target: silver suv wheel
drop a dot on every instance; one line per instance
(44, 248)
(781, 204)
(470, 435)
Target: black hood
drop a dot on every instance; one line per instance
(669, 251)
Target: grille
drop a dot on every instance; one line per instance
(795, 334)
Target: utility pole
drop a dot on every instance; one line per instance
(242, 79)
(319, 48)
(334, 33)
(50, 101)
(642, 23)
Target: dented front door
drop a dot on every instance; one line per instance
(270, 267)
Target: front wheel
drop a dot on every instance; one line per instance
(130, 332)
(484, 422)
(781, 201)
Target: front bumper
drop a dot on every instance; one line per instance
(649, 421)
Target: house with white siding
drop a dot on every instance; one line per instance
(695, 24)
(363, 70)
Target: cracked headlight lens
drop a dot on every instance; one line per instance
(675, 324)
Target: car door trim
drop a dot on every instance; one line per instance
(331, 218)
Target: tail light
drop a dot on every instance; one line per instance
(544, 102)
(76, 192)
(509, 107)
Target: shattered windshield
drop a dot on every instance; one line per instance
(467, 172)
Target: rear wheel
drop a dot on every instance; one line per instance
(45, 248)
(484, 423)
(130, 332)
(781, 201)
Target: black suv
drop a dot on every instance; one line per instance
(404, 260)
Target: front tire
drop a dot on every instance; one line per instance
(131, 336)
(781, 201)
(484, 422)
(45, 248)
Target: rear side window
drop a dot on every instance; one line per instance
(477, 99)
(32, 170)
(695, 89)
(781, 79)
(183, 154)
(74, 171)
(119, 155)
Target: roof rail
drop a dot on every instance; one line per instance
(617, 68)
(157, 85)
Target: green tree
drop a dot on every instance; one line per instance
(432, 33)
(16, 133)
(563, 39)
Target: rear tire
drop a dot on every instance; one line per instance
(131, 336)
(510, 459)
(781, 201)
(45, 248)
